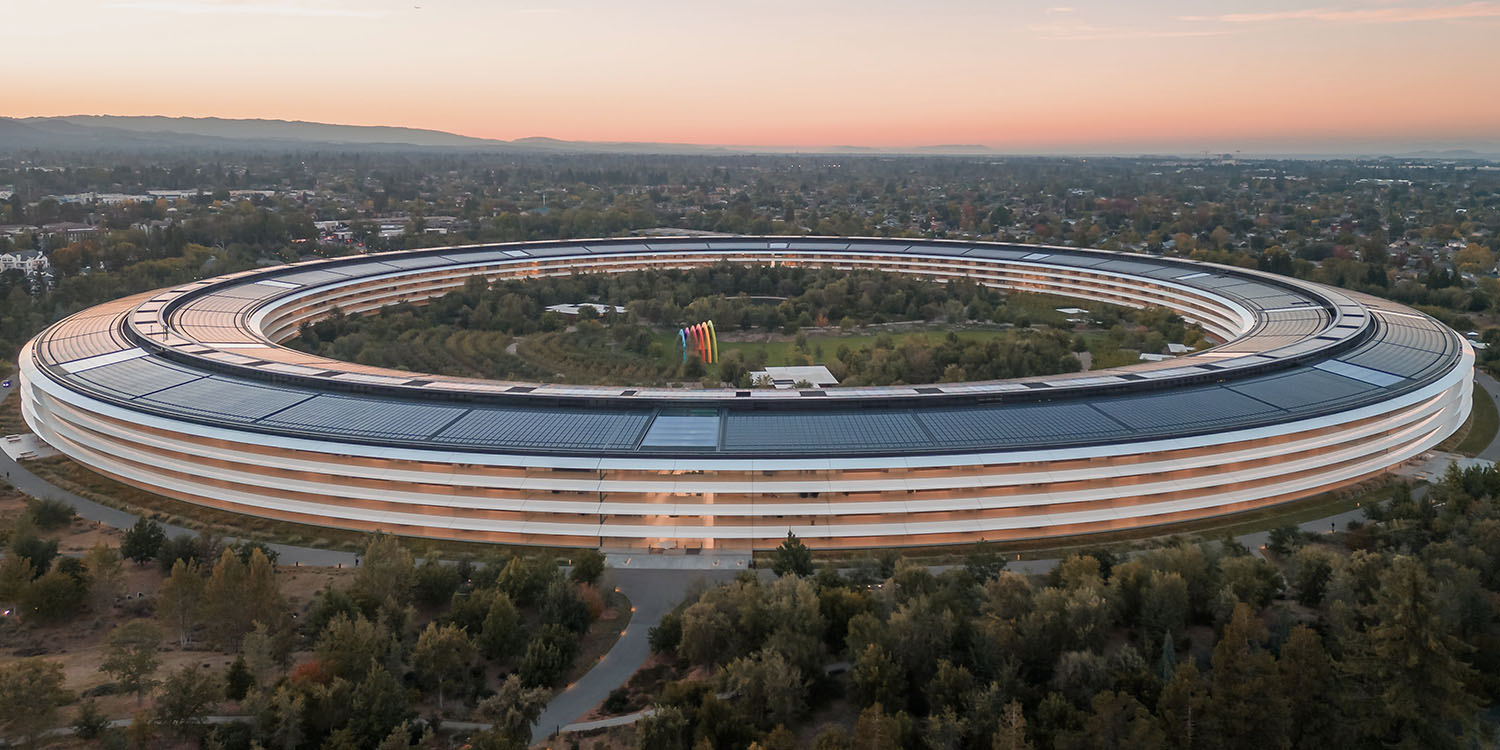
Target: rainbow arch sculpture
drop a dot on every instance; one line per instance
(703, 338)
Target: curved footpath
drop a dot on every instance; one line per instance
(653, 592)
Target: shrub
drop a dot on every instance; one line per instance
(50, 514)
(143, 541)
(91, 722)
(548, 656)
(667, 633)
(180, 547)
(618, 701)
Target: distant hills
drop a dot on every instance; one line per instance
(109, 133)
(118, 133)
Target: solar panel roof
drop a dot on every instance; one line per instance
(1293, 364)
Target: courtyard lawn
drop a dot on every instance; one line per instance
(778, 353)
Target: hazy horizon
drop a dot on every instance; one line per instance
(1086, 78)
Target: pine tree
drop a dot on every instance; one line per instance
(377, 706)
(1313, 694)
(1246, 708)
(1168, 664)
(1181, 707)
(1408, 664)
(792, 557)
(501, 634)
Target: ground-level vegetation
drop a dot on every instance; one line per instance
(163, 633)
(1383, 634)
(868, 328)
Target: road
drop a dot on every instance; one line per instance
(1491, 387)
(653, 593)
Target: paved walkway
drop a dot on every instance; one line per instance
(653, 593)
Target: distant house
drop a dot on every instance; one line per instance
(72, 231)
(29, 262)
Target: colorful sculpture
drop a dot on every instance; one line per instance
(701, 337)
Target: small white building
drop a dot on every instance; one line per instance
(29, 262)
(571, 311)
(787, 378)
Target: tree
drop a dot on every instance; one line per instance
(55, 596)
(106, 575)
(225, 610)
(877, 679)
(238, 595)
(1252, 579)
(667, 728)
(288, 709)
(561, 605)
(348, 645)
(1011, 735)
(1181, 707)
(768, 687)
(1409, 665)
(179, 603)
(142, 541)
(706, 634)
(875, 730)
(377, 706)
(1164, 604)
(1311, 570)
(1246, 707)
(237, 679)
(259, 652)
(187, 696)
(547, 656)
(436, 582)
(792, 557)
(511, 711)
(16, 574)
(26, 542)
(442, 657)
(130, 656)
(1310, 682)
(31, 691)
(588, 566)
(984, 562)
(501, 633)
(386, 575)
(1118, 721)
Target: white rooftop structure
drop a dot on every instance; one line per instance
(572, 310)
(788, 377)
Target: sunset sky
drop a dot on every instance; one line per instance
(1218, 75)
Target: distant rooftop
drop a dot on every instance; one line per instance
(788, 377)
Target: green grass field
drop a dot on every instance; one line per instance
(778, 353)
(1484, 422)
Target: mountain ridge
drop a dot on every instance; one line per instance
(164, 133)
